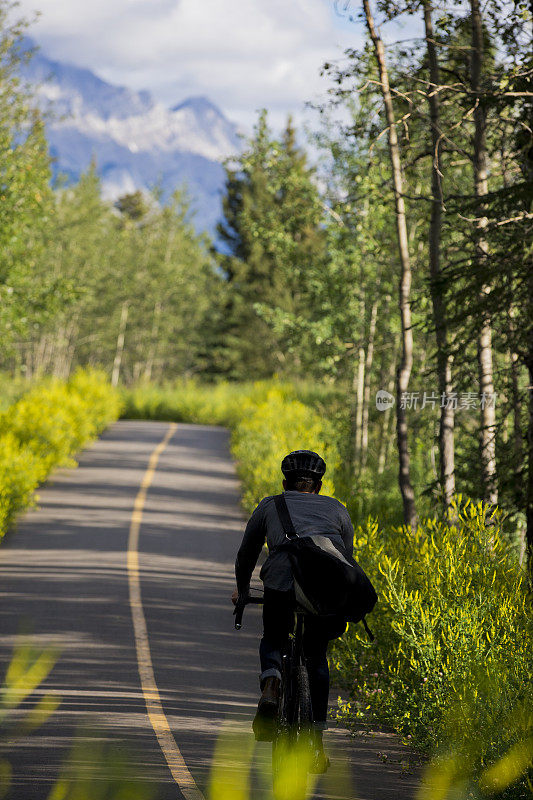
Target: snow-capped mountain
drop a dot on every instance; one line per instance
(136, 142)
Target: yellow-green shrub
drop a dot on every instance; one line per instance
(204, 404)
(184, 401)
(44, 429)
(452, 665)
(266, 432)
(20, 472)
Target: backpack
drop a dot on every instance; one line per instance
(326, 580)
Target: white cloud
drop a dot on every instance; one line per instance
(243, 54)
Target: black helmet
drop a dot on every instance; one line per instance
(303, 462)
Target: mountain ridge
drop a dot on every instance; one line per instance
(135, 141)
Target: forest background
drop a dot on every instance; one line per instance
(401, 263)
(389, 286)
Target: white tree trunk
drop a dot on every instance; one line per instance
(485, 368)
(368, 373)
(406, 361)
(120, 343)
(444, 359)
(359, 384)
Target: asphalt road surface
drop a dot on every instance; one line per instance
(128, 575)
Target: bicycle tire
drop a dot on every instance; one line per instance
(305, 723)
(305, 708)
(291, 748)
(280, 743)
(289, 781)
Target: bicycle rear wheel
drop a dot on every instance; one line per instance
(291, 748)
(285, 733)
(305, 708)
(305, 721)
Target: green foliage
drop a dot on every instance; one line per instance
(25, 193)
(451, 667)
(44, 429)
(220, 403)
(273, 236)
(266, 432)
(189, 401)
(26, 671)
(135, 291)
(132, 206)
(306, 287)
(11, 389)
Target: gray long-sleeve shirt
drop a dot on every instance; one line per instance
(311, 514)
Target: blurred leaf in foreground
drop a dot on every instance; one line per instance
(242, 770)
(99, 771)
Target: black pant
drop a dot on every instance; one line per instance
(278, 622)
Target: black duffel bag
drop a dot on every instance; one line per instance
(326, 580)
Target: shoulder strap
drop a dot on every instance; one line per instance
(368, 631)
(285, 517)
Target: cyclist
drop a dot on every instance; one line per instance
(311, 513)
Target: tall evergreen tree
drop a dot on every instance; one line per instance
(272, 234)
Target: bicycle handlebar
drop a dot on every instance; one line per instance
(242, 602)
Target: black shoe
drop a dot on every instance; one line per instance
(264, 724)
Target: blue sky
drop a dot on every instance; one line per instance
(243, 54)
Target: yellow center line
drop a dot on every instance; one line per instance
(154, 707)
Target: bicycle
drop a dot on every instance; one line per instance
(292, 745)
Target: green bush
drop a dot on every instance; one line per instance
(43, 429)
(220, 403)
(183, 402)
(12, 388)
(266, 432)
(452, 666)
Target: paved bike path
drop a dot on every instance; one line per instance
(64, 575)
